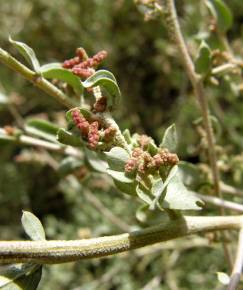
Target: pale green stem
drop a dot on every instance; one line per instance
(51, 252)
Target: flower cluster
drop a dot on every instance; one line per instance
(93, 130)
(93, 135)
(83, 66)
(145, 163)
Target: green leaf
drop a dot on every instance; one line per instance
(170, 138)
(4, 100)
(223, 278)
(56, 71)
(141, 213)
(42, 128)
(190, 174)
(96, 161)
(27, 52)
(222, 14)
(117, 158)
(179, 198)
(157, 187)
(127, 135)
(203, 62)
(20, 277)
(68, 138)
(68, 165)
(152, 148)
(32, 226)
(119, 176)
(108, 83)
(128, 188)
(144, 195)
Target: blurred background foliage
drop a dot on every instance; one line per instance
(156, 93)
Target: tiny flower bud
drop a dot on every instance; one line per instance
(131, 165)
(137, 152)
(93, 135)
(70, 63)
(109, 134)
(81, 123)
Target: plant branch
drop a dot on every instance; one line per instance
(221, 202)
(230, 189)
(51, 252)
(237, 270)
(36, 79)
(27, 140)
(173, 27)
(176, 35)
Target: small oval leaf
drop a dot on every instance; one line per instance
(96, 161)
(117, 158)
(203, 60)
(68, 138)
(128, 188)
(42, 128)
(108, 83)
(143, 195)
(222, 14)
(28, 53)
(20, 277)
(223, 278)
(169, 140)
(119, 176)
(56, 71)
(179, 198)
(32, 226)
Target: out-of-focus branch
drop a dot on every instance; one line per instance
(27, 140)
(221, 202)
(230, 189)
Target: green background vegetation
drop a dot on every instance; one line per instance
(156, 93)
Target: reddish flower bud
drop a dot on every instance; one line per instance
(81, 53)
(70, 63)
(93, 135)
(137, 152)
(83, 72)
(109, 134)
(131, 165)
(81, 123)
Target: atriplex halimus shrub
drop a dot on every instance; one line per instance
(137, 165)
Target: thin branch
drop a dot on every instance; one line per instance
(221, 202)
(230, 189)
(224, 68)
(51, 252)
(237, 270)
(37, 80)
(27, 140)
(105, 211)
(173, 27)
